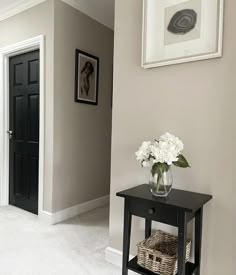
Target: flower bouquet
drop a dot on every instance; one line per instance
(160, 155)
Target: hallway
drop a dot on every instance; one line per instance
(74, 247)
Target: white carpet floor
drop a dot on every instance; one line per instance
(74, 247)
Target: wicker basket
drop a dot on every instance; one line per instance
(159, 253)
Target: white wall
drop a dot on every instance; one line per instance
(194, 101)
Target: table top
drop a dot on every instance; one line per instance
(179, 199)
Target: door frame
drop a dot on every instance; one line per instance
(28, 45)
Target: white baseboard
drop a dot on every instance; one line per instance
(114, 256)
(53, 218)
(45, 217)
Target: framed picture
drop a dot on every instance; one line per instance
(178, 31)
(86, 78)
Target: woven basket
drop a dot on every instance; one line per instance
(159, 253)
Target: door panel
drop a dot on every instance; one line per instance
(20, 189)
(19, 117)
(18, 74)
(33, 130)
(33, 71)
(33, 178)
(24, 122)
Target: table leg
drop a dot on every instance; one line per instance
(148, 228)
(126, 239)
(198, 239)
(182, 238)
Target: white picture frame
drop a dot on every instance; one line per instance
(208, 45)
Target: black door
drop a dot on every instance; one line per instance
(24, 130)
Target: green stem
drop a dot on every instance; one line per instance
(159, 176)
(165, 187)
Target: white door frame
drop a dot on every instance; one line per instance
(6, 52)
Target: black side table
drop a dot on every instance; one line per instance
(177, 209)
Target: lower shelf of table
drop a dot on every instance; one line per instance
(132, 265)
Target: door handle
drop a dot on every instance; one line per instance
(10, 133)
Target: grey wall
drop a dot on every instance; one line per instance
(194, 101)
(38, 20)
(77, 136)
(82, 133)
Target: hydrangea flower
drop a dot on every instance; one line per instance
(165, 150)
(143, 154)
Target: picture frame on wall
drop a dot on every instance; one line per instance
(86, 77)
(179, 31)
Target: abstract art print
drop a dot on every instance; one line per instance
(86, 78)
(178, 31)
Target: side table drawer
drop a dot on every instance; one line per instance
(152, 211)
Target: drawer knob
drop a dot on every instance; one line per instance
(151, 211)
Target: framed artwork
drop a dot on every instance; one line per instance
(178, 31)
(86, 78)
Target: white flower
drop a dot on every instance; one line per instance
(146, 163)
(170, 148)
(157, 153)
(173, 142)
(166, 150)
(143, 153)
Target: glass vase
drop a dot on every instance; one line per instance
(161, 183)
